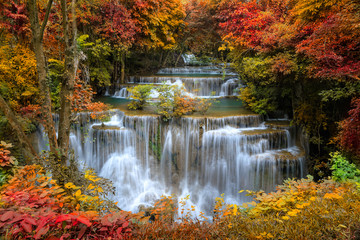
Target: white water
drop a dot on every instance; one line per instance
(188, 58)
(122, 93)
(198, 86)
(208, 70)
(200, 157)
(204, 81)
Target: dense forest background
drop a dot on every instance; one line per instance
(299, 59)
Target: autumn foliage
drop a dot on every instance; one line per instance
(297, 210)
(296, 58)
(6, 160)
(34, 206)
(83, 101)
(349, 136)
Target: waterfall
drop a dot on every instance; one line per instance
(204, 81)
(203, 157)
(198, 86)
(122, 93)
(188, 58)
(227, 88)
(204, 70)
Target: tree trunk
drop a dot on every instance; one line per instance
(37, 41)
(178, 58)
(68, 81)
(122, 62)
(115, 84)
(165, 59)
(26, 146)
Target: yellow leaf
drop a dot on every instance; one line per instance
(235, 209)
(293, 213)
(285, 218)
(70, 185)
(78, 193)
(299, 206)
(332, 196)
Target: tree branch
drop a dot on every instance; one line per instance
(47, 13)
(354, 77)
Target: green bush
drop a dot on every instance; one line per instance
(342, 169)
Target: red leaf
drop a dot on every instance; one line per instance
(125, 224)
(84, 220)
(82, 231)
(40, 232)
(105, 222)
(30, 220)
(7, 215)
(118, 231)
(27, 227)
(63, 218)
(17, 217)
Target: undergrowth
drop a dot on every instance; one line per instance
(34, 206)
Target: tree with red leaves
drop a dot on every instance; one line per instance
(333, 42)
(15, 19)
(242, 23)
(201, 34)
(349, 136)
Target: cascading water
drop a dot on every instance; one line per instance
(201, 157)
(189, 59)
(198, 156)
(205, 81)
(122, 93)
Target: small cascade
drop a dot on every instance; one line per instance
(189, 59)
(107, 93)
(122, 93)
(227, 88)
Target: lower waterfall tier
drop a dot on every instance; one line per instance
(203, 157)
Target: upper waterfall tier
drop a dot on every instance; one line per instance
(205, 70)
(208, 81)
(198, 86)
